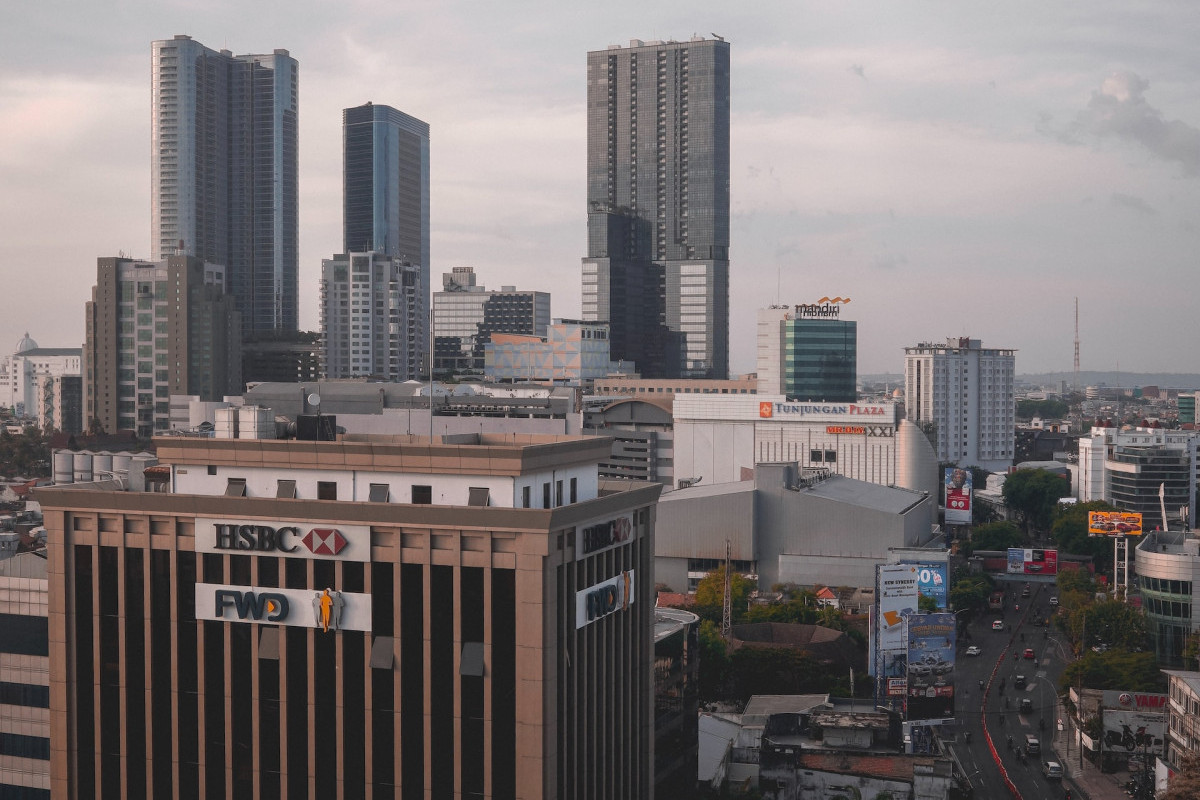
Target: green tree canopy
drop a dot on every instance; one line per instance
(1114, 669)
(1069, 531)
(711, 589)
(996, 536)
(969, 595)
(1046, 409)
(1034, 494)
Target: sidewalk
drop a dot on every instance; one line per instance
(1090, 782)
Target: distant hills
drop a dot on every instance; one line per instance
(1166, 380)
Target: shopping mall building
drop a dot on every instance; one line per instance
(469, 616)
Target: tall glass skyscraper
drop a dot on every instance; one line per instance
(657, 265)
(385, 190)
(224, 163)
(807, 355)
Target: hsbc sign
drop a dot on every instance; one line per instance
(294, 539)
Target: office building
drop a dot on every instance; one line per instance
(657, 263)
(59, 403)
(1127, 467)
(287, 356)
(370, 317)
(21, 372)
(965, 391)
(1187, 408)
(224, 166)
(1167, 566)
(807, 353)
(465, 315)
(466, 616)
(154, 329)
(1183, 723)
(571, 352)
(24, 674)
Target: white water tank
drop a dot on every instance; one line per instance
(64, 466)
(102, 464)
(256, 422)
(83, 466)
(226, 423)
(137, 471)
(120, 464)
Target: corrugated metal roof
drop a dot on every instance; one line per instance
(891, 499)
(708, 490)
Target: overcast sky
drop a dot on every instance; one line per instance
(955, 169)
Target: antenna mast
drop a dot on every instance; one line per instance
(727, 605)
(1076, 344)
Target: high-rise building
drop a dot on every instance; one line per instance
(657, 264)
(154, 329)
(24, 673)
(966, 392)
(389, 616)
(224, 165)
(807, 353)
(24, 371)
(385, 190)
(370, 317)
(465, 315)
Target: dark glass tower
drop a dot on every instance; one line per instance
(224, 162)
(820, 360)
(657, 267)
(385, 189)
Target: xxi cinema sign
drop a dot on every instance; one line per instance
(287, 538)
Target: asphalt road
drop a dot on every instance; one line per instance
(999, 711)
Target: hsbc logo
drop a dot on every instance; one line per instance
(288, 538)
(324, 541)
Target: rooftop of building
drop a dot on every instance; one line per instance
(1175, 543)
(893, 767)
(49, 352)
(1188, 677)
(669, 620)
(760, 707)
(890, 499)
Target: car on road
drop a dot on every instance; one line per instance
(1052, 770)
(1029, 653)
(1026, 706)
(973, 650)
(1032, 745)
(1019, 682)
(998, 625)
(1025, 589)
(1053, 599)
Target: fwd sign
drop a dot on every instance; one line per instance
(262, 606)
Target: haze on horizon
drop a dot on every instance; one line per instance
(955, 170)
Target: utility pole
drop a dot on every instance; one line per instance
(727, 605)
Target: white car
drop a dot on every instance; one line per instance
(973, 650)
(998, 625)
(1054, 600)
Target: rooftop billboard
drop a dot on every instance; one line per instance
(960, 484)
(930, 666)
(1114, 523)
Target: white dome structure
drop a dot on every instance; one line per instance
(26, 344)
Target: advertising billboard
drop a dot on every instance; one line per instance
(1134, 731)
(1134, 701)
(1114, 523)
(896, 598)
(930, 666)
(931, 582)
(959, 485)
(1032, 561)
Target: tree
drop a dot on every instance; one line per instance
(927, 604)
(1114, 669)
(996, 536)
(1046, 409)
(1069, 531)
(969, 595)
(1034, 494)
(1112, 623)
(714, 662)
(1185, 783)
(1075, 580)
(711, 589)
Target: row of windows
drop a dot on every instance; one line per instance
(21, 746)
(1165, 586)
(24, 694)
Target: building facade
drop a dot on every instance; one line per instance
(28, 366)
(1127, 467)
(571, 352)
(462, 617)
(465, 315)
(153, 329)
(371, 317)
(966, 392)
(1183, 722)
(59, 403)
(805, 353)
(657, 264)
(24, 677)
(224, 171)
(385, 190)
(1167, 567)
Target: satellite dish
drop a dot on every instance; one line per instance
(314, 399)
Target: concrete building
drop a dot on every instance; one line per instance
(24, 676)
(23, 371)
(371, 317)
(965, 391)
(642, 434)
(663, 387)
(153, 329)
(1125, 467)
(224, 172)
(1167, 568)
(1183, 722)
(788, 525)
(657, 263)
(722, 438)
(465, 315)
(465, 616)
(807, 353)
(59, 403)
(571, 352)
(289, 356)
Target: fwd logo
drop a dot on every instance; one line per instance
(266, 606)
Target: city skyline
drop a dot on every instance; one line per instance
(964, 173)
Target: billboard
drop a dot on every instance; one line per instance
(1134, 701)
(1134, 731)
(959, 485)
(1032, 561)
(896, 598)
(931, 582)
(930, 666)
(1114, 523)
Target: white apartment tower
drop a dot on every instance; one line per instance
(370, 316)
(966, 392)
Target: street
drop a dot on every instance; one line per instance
(996, 667)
